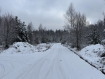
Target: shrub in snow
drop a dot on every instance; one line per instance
(102, 61)
(103, 55)
(63, 42)
(43, 47)
(103, 42)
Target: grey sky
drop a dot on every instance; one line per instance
(50, 13)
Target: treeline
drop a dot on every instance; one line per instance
(45, 36)
(81, 34)
(76, 32)
(14, 30)
(11, 30)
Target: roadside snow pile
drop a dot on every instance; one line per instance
(95, 55)
(93, 50)
(20, 47)
(24, 48)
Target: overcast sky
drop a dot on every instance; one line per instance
(50, 13)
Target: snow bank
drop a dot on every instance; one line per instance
(93, 54)
(20, 47)
(24, 47)
(93, 50)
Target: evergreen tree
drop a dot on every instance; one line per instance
(21, 31)
(93, 37)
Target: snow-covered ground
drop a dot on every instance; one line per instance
(24, 48)
(56, 63)
(93, 54)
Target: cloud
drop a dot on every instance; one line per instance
(51, 12)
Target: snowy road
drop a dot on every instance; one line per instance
(56, 63)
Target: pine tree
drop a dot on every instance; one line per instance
(21, 31)
(93, 37)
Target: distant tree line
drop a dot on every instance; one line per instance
(45, 36)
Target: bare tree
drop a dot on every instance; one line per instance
(30, 32)
(0, 29)
(40, 27)
(8, 29)
(80, 23)
(70, 16)
(76, 22)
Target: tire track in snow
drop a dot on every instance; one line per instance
(47, 65)
(2, 70)
(24, 73)
(18, 60)
(55, 67)
(67, 69)
(74, 65)
(65, 76)
(48, 70)
(8, 68)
